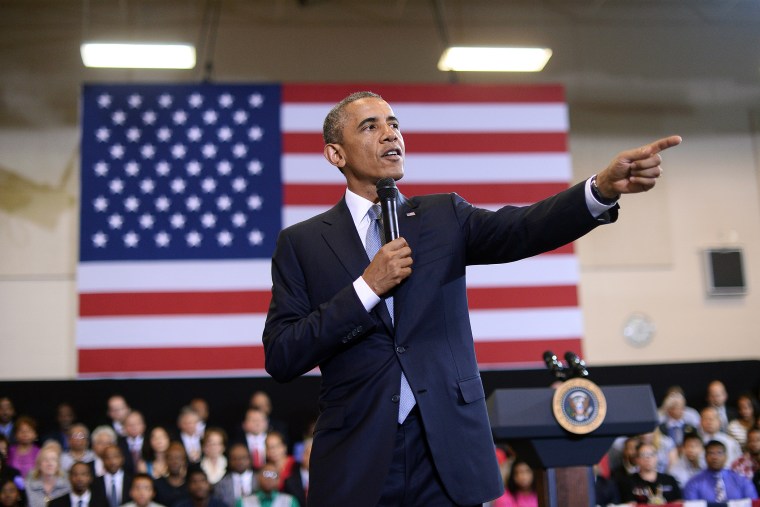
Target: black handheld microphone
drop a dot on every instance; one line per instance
(387, 192)
(576, 365)
(554, 365)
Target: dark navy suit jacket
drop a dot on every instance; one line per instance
(316, 319)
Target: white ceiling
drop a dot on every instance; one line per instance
(608, 53)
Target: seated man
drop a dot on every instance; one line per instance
(648, 486)
(717, 484)
(267, 494)
(81, 494)
(200, 491)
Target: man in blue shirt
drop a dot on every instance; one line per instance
(717, 484)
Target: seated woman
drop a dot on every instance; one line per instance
(648, 486)
(521, 487)
(46, 481)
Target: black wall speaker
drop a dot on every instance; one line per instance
(724, 272)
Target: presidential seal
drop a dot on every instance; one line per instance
(579, 406)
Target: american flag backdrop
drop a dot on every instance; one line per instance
(185, 188)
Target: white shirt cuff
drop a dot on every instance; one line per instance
(366, 295)
(595, 207)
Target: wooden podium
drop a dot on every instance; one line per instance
(564, 461)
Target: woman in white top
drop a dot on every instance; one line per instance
(213, 461)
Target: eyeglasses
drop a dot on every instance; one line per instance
(269, 474)
(647, 455)
(78, 436)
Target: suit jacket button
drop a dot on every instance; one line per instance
(395, 398)
(355, 332)
(400, 349)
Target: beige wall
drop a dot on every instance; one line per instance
(649, 262)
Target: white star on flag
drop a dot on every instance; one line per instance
(132, 203)
(118, 117)
(179, 151)
(134, 101)
(132, 168)
(131, 239)
(100, 203)
(165, 101)
(239, 219)
(115, 221)
(164, 134)
(255, 167)
(177, 185)
(239, 150)
(194, 168)
(226, 100)
(116, 185)
(177, 221)
(254, 202)
(133, 134)
(256, 100)
(256, 237)
(148, 151)
(208, 185)
(255, 133)
(224, 238)
(210, 117)
(146, 221)
(149, 117)
(147, 186)
(179, 117)
(240, 117)
(224, 167)
(193, 203)
(163, 168)
(194, 134)
(163, 239)
(99, 239)
(117, 151)
(194, 238)
(195, 100)
(102, 134)
(208, 220)
(163, 203)
(104, 101)
(101, 168)
(209, 150)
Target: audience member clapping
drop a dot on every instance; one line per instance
(187, 422)
(154, 453)
(132, 442)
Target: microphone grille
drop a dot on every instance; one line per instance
(386, 189)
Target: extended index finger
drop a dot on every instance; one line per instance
(663, 144)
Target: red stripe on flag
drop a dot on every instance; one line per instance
(173, 303)
(449, 142)
(485, 193)
(170, 359)
(333, 93)
(522, 351)
(482, 298)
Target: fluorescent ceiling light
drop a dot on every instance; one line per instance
(138, 56)
(494, 59)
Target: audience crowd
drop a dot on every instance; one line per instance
(712, 454)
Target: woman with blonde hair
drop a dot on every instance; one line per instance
(46, 480)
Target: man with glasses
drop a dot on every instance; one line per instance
(716, 483)
(267, 495)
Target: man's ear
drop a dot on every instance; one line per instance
(334, 154)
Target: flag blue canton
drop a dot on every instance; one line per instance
(180, 172)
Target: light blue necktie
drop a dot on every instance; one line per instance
(373, 244)
(720, 488)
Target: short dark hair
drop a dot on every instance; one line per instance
(715, 443)
(332, 129)
(691, 435)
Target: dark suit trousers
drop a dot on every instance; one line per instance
(413, 480)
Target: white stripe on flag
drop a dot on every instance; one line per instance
(138, 276)
(452, 167)
(526, 324)
(554, 269)
(445, 117)
(169, 331)
(200, 331)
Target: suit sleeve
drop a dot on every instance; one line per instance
(296, 337)
(514, 233)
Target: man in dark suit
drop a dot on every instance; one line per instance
(82, 494)
(387, 327)
(116, 482)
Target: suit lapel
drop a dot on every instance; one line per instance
(343, 240)
(409, 228)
